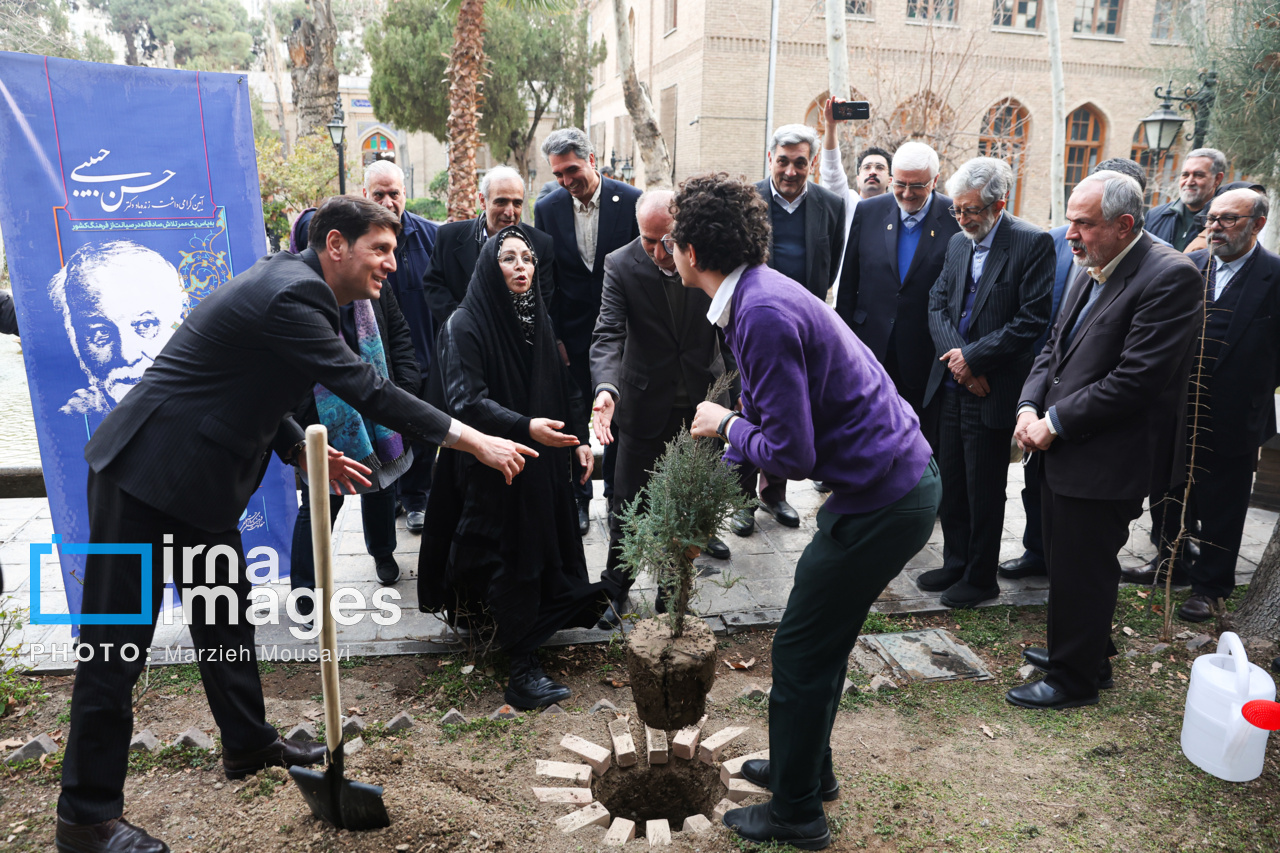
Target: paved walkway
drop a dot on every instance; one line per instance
(750, 589)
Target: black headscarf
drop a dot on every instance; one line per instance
(540, 583)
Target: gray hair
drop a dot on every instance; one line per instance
(1261, 205)
(1120, 195)
(992, 177)
(567, 140)
(914, 156)
(794, 134)
(1216, 157)
(650, 199)
(386, 168)
(1124, 167)
(498, 173)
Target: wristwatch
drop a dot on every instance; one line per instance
(723, 429)
(295, 453)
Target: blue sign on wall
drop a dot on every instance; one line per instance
(126, 196)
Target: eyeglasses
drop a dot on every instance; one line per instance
(899, 185)
(1226, 220)
(508, 259)
(969, 211)
(669, 244)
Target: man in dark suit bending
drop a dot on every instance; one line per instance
(174, 466)
(894, 254)
(988, 306)
(1110, 381)
(587, 218)
(653, 357)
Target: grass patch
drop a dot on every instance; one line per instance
(444, 682)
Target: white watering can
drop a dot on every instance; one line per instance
(1216, 737)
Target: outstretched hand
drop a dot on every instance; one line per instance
(498, 453)
(603, 410)
(544, 431)
(342, 471)
(586, 461)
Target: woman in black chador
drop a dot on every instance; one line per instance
(511, 554)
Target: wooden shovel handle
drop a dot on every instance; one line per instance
(322, 550)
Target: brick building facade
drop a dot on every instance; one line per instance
(970, 75)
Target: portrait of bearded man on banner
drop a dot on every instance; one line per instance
(120, 303)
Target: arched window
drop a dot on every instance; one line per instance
(1085, 135)
(377, 147)
(1162, 169)
(1005, 129)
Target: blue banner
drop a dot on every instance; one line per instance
(127, 195)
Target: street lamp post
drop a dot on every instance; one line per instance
(1163, 126)
(628, 170)
(337, 132)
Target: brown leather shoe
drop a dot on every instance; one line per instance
(110, 836)
(1197, 608)
(282, 753)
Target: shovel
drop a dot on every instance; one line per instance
(341, 802)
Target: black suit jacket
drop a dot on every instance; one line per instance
(874, 299)
(578, 288)
(1121, 386)
(191, 439)
(1244, 378)
(454, 260)
(1010, 311)
(638, 349)
(823, 235)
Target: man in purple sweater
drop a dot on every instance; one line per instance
(815, 404)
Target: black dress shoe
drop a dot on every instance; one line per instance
(612, 618)
(1039, 658)
(584, 519)
(1150, 575)
(282, 753)
(756, 823)
(387, 569)
(716, 549)
(756, 771)
(963, 595)
(1040, 694)
(110, 836)
(415, 522)
(743, 522)
(1027, 566)
(783, 512)
(821, 487)
(529, 687)
(936, 580)
(1197, 608)
(1275, 665)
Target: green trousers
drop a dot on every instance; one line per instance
(849, 562)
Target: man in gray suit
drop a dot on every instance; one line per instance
(653, 358)
(808, 242)
(988, 306)
(1110, 382)
(175, 463)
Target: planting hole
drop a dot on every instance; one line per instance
(671, 791)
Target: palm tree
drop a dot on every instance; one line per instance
(465, 70)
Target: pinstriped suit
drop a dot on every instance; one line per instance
(1010, 310)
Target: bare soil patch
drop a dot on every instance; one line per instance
(944, 767)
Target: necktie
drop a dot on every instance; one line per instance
(1211, 283)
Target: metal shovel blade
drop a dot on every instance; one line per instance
(342, 802)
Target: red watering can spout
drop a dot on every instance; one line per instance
(1262, 714)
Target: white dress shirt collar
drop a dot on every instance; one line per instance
(718, 313)
(788, 206)
(1225, 271)
(595, 199)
